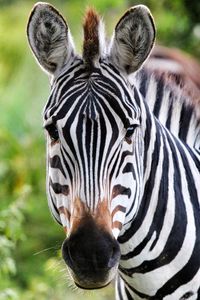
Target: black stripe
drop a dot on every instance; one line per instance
(81, 145)
(94, 152)
(118, 189)
(143, 73)
(59, 188)
(169, 113)
(159, 97)
(186, 115)
(128, 294)
(129, 169)
(198, 294)
(87, 147)
(55, 162)
(147, 138)
(54, 207)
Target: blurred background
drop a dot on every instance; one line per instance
(30, 263)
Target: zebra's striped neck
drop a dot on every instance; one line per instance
(153, 135)
(170, 189)
(170, 102)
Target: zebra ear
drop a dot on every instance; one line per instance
(133, 39)
(49, 38)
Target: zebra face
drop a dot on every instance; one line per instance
(91, 181)
(90, 133)
(94, 141)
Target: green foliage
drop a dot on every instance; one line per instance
(30, 261)
(11, 233)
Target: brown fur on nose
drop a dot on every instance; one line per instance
(81, 213)
(91, 37)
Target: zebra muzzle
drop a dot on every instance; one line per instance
(92, 256)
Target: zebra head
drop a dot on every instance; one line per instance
(94, 146)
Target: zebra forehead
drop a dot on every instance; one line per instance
(91, 42)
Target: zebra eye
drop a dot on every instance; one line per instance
(130, 131)
(53, 132)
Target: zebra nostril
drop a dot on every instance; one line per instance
(115, 256)
(66, 254)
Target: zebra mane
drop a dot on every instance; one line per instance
(179, 71)
(182, 85)
(180, 88)
(170, 95)
(92, 39)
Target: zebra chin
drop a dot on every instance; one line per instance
(85, 282)
(92, 256)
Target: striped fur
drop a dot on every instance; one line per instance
(172, 103)
(125, 153)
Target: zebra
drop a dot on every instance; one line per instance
(123, 186)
